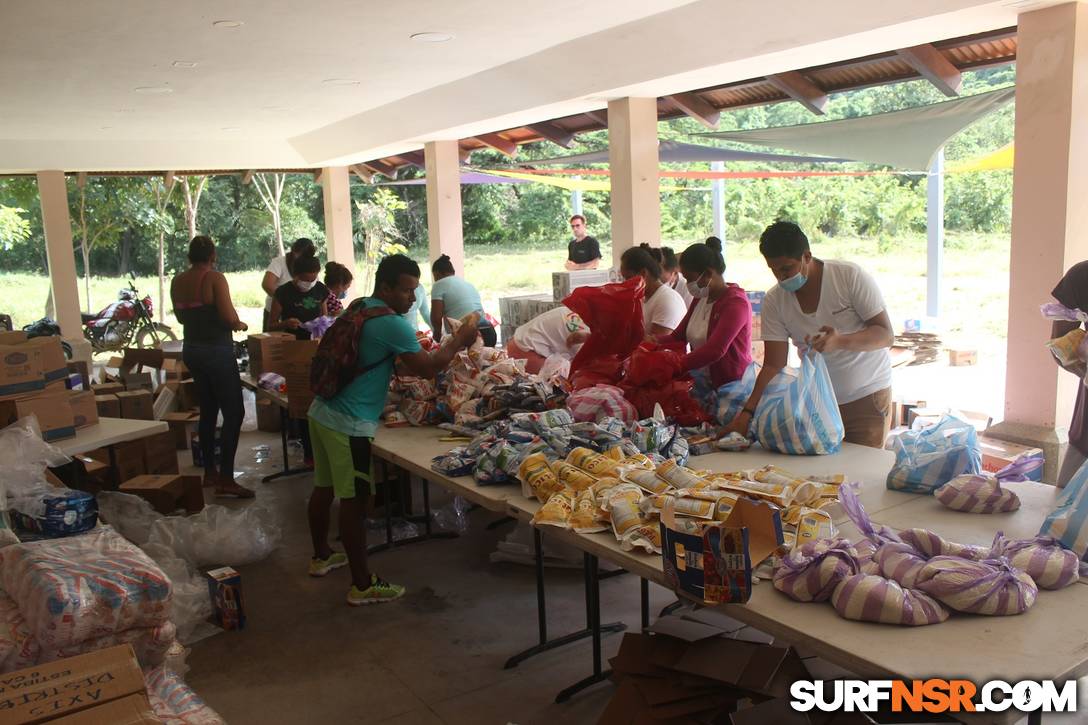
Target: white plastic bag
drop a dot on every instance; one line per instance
(218, 536)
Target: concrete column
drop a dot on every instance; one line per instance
(935, 234)
(632, 155)
(336, 192)
(444, 227)
(58, 246)
(1049, 217)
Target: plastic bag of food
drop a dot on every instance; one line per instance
(991, 587)
(614, 314)
(929, 544)
(536, 471)
(556, 512)
(149, 643)
(19, 647)
(650, 365)
(811, 572)
(585, 518)
(598, 401)
(1068, 522)
(1043, 558)
(220, 536)
(592, 462)
(54, 512)
(800, 415)
(174, 703)
(677, 476)
(623, 508)
(900, 562)
(573, 477)
(982, 493)
(731, 397)
(870, 598)
(927, 459)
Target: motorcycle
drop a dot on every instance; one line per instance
(125, 321)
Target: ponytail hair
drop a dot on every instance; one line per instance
(638, 259)
(337, 274)
(443, 265)
(301, 248)
(669, 262)
(700, 257)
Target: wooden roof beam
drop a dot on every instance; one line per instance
(415, 158)
(800, 89)
(381, 166)
(697, 107)
(463, 154)
(365, 175)
(934, 67)
(600, 116)
(553, 133)
(497, 142)
(81, 179)
(319, 176)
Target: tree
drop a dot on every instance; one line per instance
(13, 227)
(271, 194)
(98, 219)
(162, 191)
(192, 200)
(379, 232)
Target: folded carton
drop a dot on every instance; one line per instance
(136, 405)
(71, 685)
(52, 409)
(715, 564)
(183, 422)
(228, 605)
(996, 454)
(84, 407)
(20, 371)
(51, 353)
(108, 388)
(109, 406)
(164, 493)
(264, 352)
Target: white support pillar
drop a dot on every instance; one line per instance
(444, 227)
(1049, 217)
(632, 155)
(576, 199)
(53, 193)
(717, 202)
(935, 234)
(336, 193)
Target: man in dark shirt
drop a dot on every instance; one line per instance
(583, 252)
(1072, 292)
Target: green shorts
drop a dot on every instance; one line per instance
(340, 460)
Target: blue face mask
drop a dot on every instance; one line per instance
(794, 283)
(343, 295)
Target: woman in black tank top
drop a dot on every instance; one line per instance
(202, 304)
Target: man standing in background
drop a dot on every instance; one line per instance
(583, 252)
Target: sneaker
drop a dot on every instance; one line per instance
(379, 591)
(321, 567)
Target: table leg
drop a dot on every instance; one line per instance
(593, 599)
(1035, 718)
(644, 601)
(287, 470)
(402, 482)
(543, 643)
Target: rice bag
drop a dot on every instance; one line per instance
(81, 587)
(1043, 558)
(991, 587)
(623, 508)
(899, 562)
(584, 517)
(556, 512)
(977, 494)
(811, 572)
(592, 462)
(149, 643)
(929, 544)
(19, 647)
(537, 472)
(573, 477)
(174, 703)
(869, 598)
(677, 476)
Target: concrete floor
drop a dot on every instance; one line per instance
(436, 656)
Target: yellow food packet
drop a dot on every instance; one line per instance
(836, 479)
(591, 462)
(774, 474)
(615, 453)
(646, 537)
(814, 524)
(556, 512)
(677, 475)
(827, 490)
(1065, 349)
(624, 510)
(647, 480)
(681, 506)
(584, 518)
(723, 507)
(639, 460)
(573, 477)
(791, 515)
(776, 493)
(536, 471)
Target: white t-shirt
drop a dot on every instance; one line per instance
(665, 307)
(278, 267)
(547, 334)
(848, 297)
(680, 286)
(699, 324)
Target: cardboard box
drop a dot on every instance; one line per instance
(94, 468)
(183, 422)
(268, 416)
(136, 405)
(128, 460)
(131, 710)
(53, 411)
(84, 407)
(51, 352)
(996, 454)
(228, 604)
(297, 356)
(20, 371)
(160, 453)
(162, 492)
(12, 337)
(563, 283)
(957, 358)
(186, 392)
(70, 685)
(108, 406)
(108, 388)
(175, 369)
(264, 351)
(717, 564)
(134, 356)
(137, 381)
(79, 369)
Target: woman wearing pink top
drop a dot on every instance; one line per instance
(718, 325)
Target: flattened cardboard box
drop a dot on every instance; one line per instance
(70, 685)
(130, 710)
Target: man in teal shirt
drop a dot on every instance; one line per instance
(343, 427)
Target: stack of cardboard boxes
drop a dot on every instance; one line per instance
(33, 381)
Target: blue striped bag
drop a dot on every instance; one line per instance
(929, 458)
(798, 414)
(1068, 522)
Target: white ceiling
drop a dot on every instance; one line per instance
(258, 96)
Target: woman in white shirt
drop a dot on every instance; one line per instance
(670, 272)
(279, 272)
(558, 331)
(662, 306)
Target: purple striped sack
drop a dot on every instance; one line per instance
(929, 544)
(866, 549)
(1044, 559)
(981, 493)
(851, 504)
(990, 587)
(811, 572)
(868, 598)
(899, 562)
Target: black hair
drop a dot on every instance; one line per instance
(301, 248)
(700, 257)
(783, 239)
(391, 268)
(714, 243)
(201, 249)
(337, 274)
(639, 259)
(654, 252)
(443, 265)
(306, 265)
(669, 261)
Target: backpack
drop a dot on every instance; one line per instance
(336, 362)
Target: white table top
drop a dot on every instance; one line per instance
(108, 431)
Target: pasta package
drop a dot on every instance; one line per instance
(645, 536)
(591, 462)
(676, 475)
(584, 517)
(623, 507)
(556, 512)
(647, 480)
(869, 598)
(814, 525)
(537, 472)
(991, 587)
(899, 562)
(1043, 558)
(977, 494)
(573, 477)
(811, 571)
(682, 506)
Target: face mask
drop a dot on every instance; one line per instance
(696, 291)
(305, 286)
(343, 295)
(794, 283)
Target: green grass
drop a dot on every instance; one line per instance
(975, 294)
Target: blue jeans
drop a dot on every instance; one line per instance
(218, 387)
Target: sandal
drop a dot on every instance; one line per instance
(233, 490)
